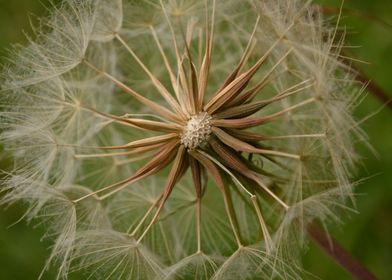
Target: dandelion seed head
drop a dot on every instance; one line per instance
(196, 131)
(180, 139)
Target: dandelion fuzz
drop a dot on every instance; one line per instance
(179, 139)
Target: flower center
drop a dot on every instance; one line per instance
(196, 131)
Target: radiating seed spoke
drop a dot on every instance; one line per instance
(162, 111)
(157, 84)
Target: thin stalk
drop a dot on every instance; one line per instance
(264, 228)
(162, 111)
(333, 249)
(274, 196)
(158, 85)
(153, 205)
(173, 78)
(198, 224)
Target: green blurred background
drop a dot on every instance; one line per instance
(367, 235)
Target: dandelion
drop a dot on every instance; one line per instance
(180, 139)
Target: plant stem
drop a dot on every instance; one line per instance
(341, 256)
(374, 88)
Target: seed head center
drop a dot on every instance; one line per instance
(196, 131)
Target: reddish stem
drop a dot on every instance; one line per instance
(372, 87)
(375, 89)
(339, 254)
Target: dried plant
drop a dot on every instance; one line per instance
(180, 139)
